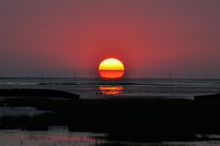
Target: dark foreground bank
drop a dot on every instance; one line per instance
(130, 119)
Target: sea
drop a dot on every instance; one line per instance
(92, 88)
(97, 88)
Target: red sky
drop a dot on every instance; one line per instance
(151, 37)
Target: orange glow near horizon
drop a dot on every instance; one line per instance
(111, 90)
(111, 68)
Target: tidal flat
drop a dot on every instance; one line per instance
(133, 119)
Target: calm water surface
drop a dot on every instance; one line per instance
(98, 88)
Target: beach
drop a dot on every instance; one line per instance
(35, 106)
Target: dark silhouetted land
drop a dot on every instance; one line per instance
(130, 119)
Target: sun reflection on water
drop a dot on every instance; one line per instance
(111, 90)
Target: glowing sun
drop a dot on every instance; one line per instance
(111, 68)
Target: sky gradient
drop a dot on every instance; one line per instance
(153, 38)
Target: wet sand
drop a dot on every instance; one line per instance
(133, 119)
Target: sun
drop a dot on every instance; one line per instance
(111, 68)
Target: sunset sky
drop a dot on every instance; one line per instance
(151, 37)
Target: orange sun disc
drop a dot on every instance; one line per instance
(111, 68)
